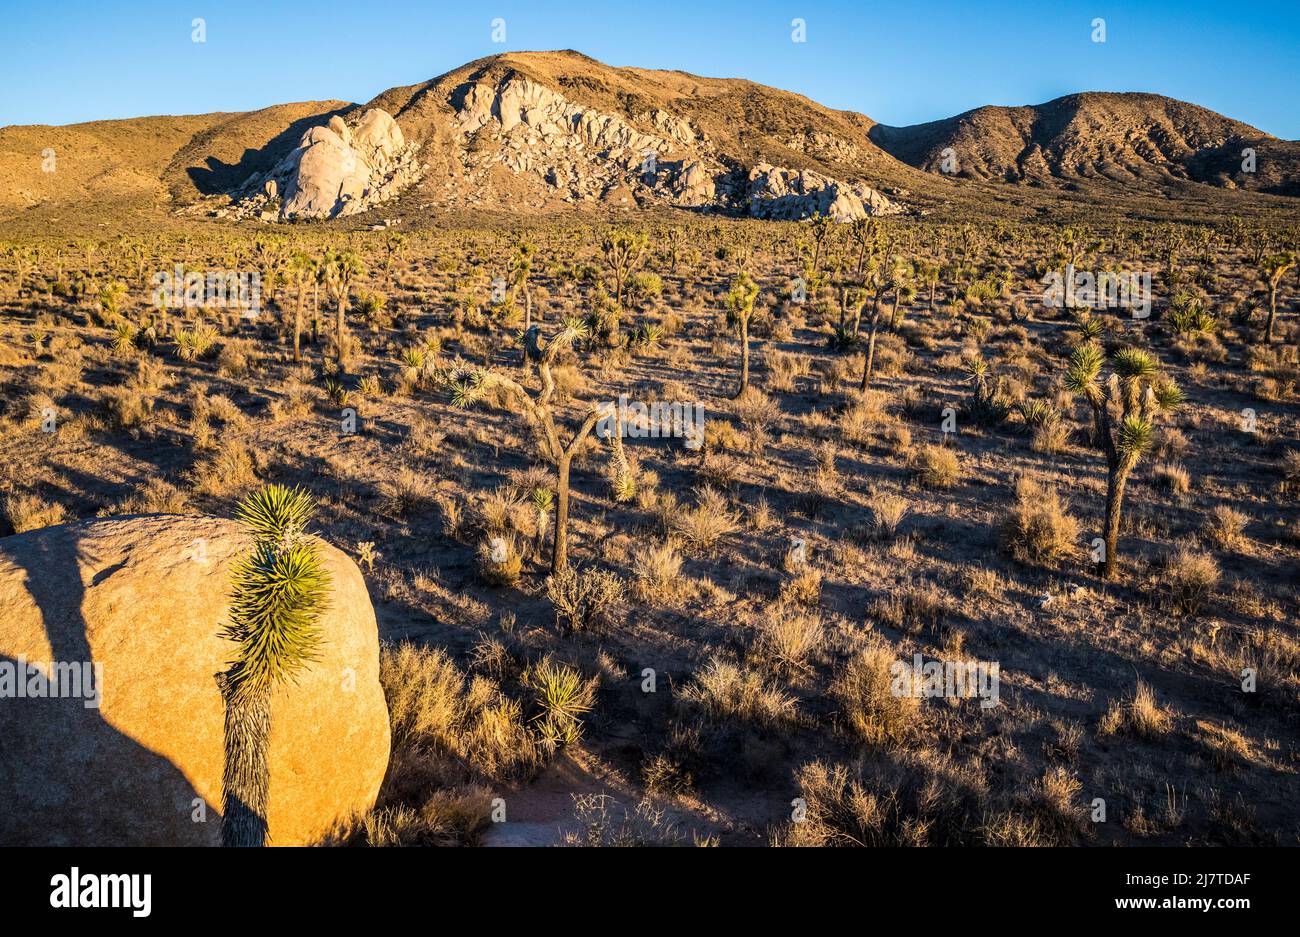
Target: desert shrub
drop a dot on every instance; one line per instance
(228, 471)
(448, 727)
(701, 527)
(404, 493)
(584, 600)
(1172, 477)
(723, 691)
(658, 573)
(603, 823)
(787, 639)
(887, 513)
(937, 467)
(1140, 715)
(1226, 526)
(499, 561)
(1190, 578)
(914, 607)
(455, 817)
(869, 707)
(29, 512)
(1038, 527)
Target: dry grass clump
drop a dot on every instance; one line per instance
(154, 496)
(887, 513)
(937, 466)
(225, 473)
(1172, 477)
(658, 574)
(922, 800)
(1139, 716)
(724, 691)
(405, 493)
(603, 823)
(30, 512)
(914, 607)
(701, 527)
(584, 600)
(1226, 526)
(450, 727)
(864, 689)
(788, 639)
(455, 817)
(499, 560)
(1039, 528)
(1190, 578)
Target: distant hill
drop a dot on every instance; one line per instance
(559, 132)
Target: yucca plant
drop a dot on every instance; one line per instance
(562, 697)
(1274, 269)
(1124, 408)
(468, 385)
(279, 590)
(740, 309)
(124, 337)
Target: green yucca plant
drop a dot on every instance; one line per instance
(125, 335)
(278, 592)
(562, 697)
(1124, 408)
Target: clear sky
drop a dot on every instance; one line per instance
(899, 62)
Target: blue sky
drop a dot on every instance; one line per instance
(898, 62)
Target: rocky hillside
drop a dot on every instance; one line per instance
(1140, 140)
(558, 132)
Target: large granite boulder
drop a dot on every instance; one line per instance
(134, 756)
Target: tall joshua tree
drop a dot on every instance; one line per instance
(468, 385)
(300, 271)
(340, 270)
(1275, 269)
(740, 309)
(1124, 408)
(521, 268)
(278, 592)
(623, 251)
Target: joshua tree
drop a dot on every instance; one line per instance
(340, 270)
(900, 284)
(301, 270)
(865, 232)
(1275, 269)
(468, 385)
(927, 274)
(392, 250)
(740, 309)
(279, 591)
(822, 226)
(1124, 408)
(521, 267)
(623, 251)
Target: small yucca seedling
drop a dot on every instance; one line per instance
(278, 592)
(562, 696)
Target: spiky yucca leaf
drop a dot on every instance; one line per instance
(276, 514)
(277, 599)
(1133, 364)
(1085, 365)
(1168, 395)
(1134, 436)
(975, 366)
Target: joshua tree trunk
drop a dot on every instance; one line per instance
(932, 287)
(1116, 479)
(869, 360)
(1272, 314)
(340, 326)
(297, 327)
(893, 314)
(246, 776)
(560, 550)
(744, 357)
